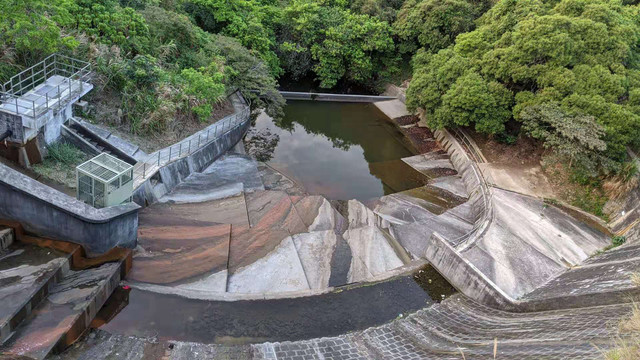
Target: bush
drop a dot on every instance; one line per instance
(618, 240)
(65, 153)
(569, 67)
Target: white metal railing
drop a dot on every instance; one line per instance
(145, 169)
(486, 211)
(75, 72)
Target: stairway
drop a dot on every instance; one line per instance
(47, 303)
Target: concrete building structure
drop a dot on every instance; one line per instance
(36, 102)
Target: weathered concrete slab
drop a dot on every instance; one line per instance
(414, 236)
(278, 271)
(276, 180)
(452, 184)
(70, 306)
(215, 282)
(231, 168)
(24, 271)
(340, 263)
(429, 164)
(178, 250)
(525, 179)
(248, 244)
(604, 273)
(274, 209)
(529, 242)
(317, 213)
(315, 250)
(231, 210)
(392, 108)
(370, 246)
(191, 192)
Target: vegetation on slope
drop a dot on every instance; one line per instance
(565, 72)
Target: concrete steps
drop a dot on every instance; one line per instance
(45, 304)
(66, 312)
(26, 274)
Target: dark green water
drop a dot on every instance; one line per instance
(338, 150)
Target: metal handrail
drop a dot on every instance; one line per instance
(145, 169)
(483, 188)
(75, 71)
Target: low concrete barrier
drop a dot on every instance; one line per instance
(49, 213)
(293, 95)
(165, 178)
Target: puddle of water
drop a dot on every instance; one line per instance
(433, 283)
(335, 149)
(174, 318)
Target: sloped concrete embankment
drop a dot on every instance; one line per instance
(167, 177)
(517, 245)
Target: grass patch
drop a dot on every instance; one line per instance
(628, 344)
(60, 164)
(579, 191)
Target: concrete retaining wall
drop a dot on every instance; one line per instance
(479, 193)
(172, 174)
(51, 214)
(464, 276)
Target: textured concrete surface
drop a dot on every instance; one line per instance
(25, 271)
(529, 180)
(315, 250)
(452, 184)
(371, 247)
(529, 242)
(453, 329)
(278, 271)
(392, 108)
(69, 307)
(230, 210)
(426, 163)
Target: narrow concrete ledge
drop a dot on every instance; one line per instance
(294, 95)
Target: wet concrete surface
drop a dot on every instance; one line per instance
(343, 310)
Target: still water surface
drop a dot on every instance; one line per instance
(338, 150)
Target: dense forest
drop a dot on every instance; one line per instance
(564, 72)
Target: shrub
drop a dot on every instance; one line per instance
(65, 153)
(618, 240)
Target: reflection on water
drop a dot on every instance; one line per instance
(332, 148)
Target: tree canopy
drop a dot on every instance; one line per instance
(554, 65)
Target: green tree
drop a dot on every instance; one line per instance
(249, 21)
(339, 43)
(579, 55)
(576, 137)
(31, 30)
(434, 24)
(110, 24)
(204, 87)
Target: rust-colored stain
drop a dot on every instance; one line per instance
(178, 247)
